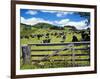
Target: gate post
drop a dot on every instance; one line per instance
(26, 54)
(73, 55)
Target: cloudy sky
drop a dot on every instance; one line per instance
(58, 18)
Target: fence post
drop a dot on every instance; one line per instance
(73, 56)
(26, 54)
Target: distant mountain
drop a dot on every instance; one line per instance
(47, 25)
(43, 25)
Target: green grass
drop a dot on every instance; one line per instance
(53, 64)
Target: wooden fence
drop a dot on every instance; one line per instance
(26, 52)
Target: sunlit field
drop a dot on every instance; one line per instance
(51, 63)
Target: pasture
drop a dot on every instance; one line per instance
(62, 58)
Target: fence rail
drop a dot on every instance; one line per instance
(41, 55)
(61, 44)
(61, 60)
(26, 52)
(37, 50)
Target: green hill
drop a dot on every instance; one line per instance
(29, 29)
(43, 25)
(24, 27)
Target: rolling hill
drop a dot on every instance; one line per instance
(45, 26)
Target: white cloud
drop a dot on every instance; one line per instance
(61, 14)
(64, 22)
(58, 13)
(48, 11)
(22, 20)
(31, 12)
(33, 21)
(79, 25)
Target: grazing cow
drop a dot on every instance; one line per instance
(83, 35)
(63, 38)
(51, 33)
(47, 34)
(49, 40)
(32, 36)
(38, 36)
(87, 37)
(62, 33)
(74, 39)
(43, 41)
(22, 37)
(46, 41)
(55, 33)
(27, 37)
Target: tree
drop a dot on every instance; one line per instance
(85, 15)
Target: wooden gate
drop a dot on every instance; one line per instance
(71, 46)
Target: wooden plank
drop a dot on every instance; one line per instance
(26, 54)
(37, 50)
(40, 55)
(59, 44)
(61, 60)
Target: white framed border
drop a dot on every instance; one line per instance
(52, 70)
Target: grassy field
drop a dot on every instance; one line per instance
(51, 63)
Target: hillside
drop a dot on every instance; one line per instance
(24, 27)
(43, 25)
(46, 25)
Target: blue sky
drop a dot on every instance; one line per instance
(58, 18)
